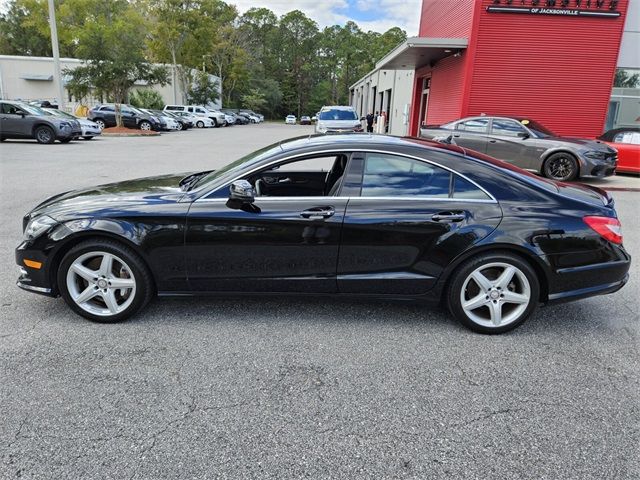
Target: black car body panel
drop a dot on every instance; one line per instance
(197, 241)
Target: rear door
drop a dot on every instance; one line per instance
(472, 133)
(408, 220)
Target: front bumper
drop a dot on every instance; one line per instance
(598, 168)
(31, 279)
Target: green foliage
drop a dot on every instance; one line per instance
(284, 64)
(254, 100)
(146, 99)
(202, 90)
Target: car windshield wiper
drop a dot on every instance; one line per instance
(190, 180)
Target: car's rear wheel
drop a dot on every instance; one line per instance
(179, 126)
(100, 123)
(144, 125)
(561, 166)
(104, 281)
(493, 292)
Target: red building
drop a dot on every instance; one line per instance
(551, 60)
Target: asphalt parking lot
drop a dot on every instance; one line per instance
(292, 388)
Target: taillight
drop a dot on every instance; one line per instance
(607, 227)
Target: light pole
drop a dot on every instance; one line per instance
(56, 54)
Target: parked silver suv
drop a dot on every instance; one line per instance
(529, 145)
(21, 120)
(338, 119)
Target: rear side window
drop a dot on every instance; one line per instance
(477, 125)
(392, 176)
(465, 189)
(627, 137)
(107, 108)
(506, 128)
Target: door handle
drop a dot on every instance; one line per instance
(493, 141)
(285, 180)
(318, 212)
(448, 217)
(457, 135)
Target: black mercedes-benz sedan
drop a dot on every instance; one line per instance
(351, 214)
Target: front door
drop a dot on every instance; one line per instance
(286, 241)
(14, 121)
(409, 221)
(509, 141)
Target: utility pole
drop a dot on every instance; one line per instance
(56, 54)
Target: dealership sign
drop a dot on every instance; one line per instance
(566, 8)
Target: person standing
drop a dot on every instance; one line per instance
(370, 118)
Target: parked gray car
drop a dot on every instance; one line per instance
(529, 145)
(21, 120)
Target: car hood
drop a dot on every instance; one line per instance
(597, 145)
(104, 199)
(339, 123)
(87, 123)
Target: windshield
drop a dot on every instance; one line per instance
(536, 128)
(33, 110)
(231, 168)
(338, 114)
(59, 113)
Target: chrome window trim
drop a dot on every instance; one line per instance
(491, 199)
(320, 201)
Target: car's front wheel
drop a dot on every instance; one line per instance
(200, 124)
(45, 134)
(493, 292)
(561, 166)
(144, 125)
(104, 281)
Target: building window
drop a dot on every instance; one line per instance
(624, 107)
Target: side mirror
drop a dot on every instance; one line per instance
(524, 135)
(242, 191)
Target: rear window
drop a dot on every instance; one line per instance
(338, 114)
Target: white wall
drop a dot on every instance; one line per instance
(630, 46)
(400, 82)
(13, 86)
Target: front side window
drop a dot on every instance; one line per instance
(9, 109)
(392, 176)
(477, 125)
(507, 128)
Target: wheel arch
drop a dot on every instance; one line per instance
(552, 151)
(42, 124)
(538, 265)
(82, 236)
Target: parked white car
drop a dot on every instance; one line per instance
(290, 120)
(89, 129)
(229, 119)
(216, 116)
(170, 122)
(338, 119)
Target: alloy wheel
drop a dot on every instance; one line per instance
(100, 124)
(101, 283)
(145, 126)
(44, 135)
(495, 295)
(561, 168)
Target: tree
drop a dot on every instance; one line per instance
(254, 100)
(203, 90)
(112, 43)
(146, 99)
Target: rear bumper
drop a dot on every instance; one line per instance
(603, 289)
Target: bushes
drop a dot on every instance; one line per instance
(146, 99)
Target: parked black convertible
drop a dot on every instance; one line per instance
(339, 214)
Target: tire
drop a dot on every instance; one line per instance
(66, 140)
(88, 138)
(179, 127)
(505, 288)
(84, 277)
(100, 124)
(144, 125)
(561, 166)
(44, 134)
(200, 124)
(215, 123)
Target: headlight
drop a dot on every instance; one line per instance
(37, 226)
(595, 155)
(65, 125)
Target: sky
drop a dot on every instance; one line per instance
(376, 15)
